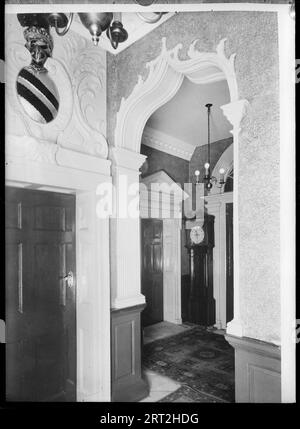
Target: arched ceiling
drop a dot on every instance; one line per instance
(184, 117)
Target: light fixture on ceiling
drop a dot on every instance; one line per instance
(209, 180)
(96, 23)
(292, 10)
(146, 17)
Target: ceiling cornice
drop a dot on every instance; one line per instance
(165, 143)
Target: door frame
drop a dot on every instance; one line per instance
(52, 168)
(172, 225)
(142, 268)
(216, 206)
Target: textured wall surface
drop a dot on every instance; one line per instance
(253, 37)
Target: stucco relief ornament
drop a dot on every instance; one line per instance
(166, 73)
(86, 129)
(31, 149)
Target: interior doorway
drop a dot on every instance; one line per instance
(40, 296)
(152, 270)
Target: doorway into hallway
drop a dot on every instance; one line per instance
(152, 270)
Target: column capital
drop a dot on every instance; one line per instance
(235, 112)
(126, 158)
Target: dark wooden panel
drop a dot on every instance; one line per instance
(257, 370)
(124, 337)
(40, 307)
(152, 270)
(49, 218)
(14, 220)
(127, 382)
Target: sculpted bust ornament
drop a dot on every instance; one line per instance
(40, 45)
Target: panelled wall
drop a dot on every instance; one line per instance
(178, 170)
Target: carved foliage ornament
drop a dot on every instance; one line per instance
(165, 76)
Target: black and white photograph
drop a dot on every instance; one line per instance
(148, 207)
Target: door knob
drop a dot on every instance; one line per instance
(69, 278)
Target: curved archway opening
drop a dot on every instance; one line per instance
(166, 74)
(175, 141)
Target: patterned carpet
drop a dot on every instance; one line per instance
(202, 362)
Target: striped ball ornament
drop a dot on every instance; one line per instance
(38, 95)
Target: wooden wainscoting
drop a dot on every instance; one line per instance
(257, 370)
(127, 382)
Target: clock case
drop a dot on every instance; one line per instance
(197, 292)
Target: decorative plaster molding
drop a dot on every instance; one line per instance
(124, 158)
(87, 128)
(30, 149)
(165, 77)
(235, 112)
(79, 73)
(166, 143)
(20, 149)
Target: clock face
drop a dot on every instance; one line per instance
(197, 234)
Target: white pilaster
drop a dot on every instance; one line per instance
(125, 229)
(172, 270)
(235, 112)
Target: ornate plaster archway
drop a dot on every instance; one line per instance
(165, 77)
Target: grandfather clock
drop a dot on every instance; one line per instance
(200, 243)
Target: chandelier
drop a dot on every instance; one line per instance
(209, 180)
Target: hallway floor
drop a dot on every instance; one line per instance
(163, 330)
(187, 364)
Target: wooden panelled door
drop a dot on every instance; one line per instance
(152, 270)
(40, 302)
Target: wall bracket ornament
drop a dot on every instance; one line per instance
(79, 74)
